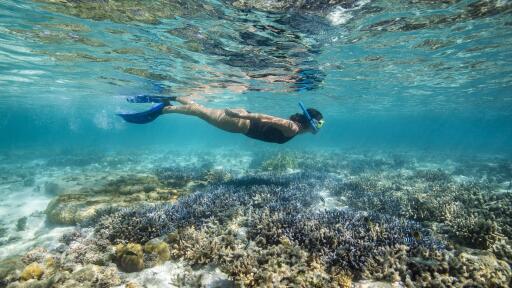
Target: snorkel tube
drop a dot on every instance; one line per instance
(312, 122)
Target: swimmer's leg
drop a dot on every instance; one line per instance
(216, 117)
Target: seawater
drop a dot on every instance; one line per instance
(405, 87)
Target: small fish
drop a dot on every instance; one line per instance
(417, 235)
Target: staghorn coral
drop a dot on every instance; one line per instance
(474, 231)
(35, 255)
(460, 269)
(220, 202)
(354, 241)
(430, 175)
(472, 214)
(84, 249)
(278, 266)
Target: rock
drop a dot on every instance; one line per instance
(29, 181)
(21, 224)
(132, 285)
(52, 188)
(130, 257)
(32, 271)
(68, 209)
(96, 276)
(8, 269)
(484, 269)
(75, 208)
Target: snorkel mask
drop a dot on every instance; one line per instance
(315, 124)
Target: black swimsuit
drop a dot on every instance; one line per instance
(266, 132)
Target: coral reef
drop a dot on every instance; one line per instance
(80, 206)
(9, 270)
(181, 177)
(220, 202)
(277, 265)
(84, 249)
(405, 222)
(276, 210)
(280, 163)
(469, 211)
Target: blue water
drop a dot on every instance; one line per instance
(379, 85)
(428, 79)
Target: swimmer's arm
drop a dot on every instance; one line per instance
(289, 128)
(243, 114)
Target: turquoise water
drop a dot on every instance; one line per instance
(382, 82)
(428, 79)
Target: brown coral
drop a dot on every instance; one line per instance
(32, 271)
(159, 248)
(130, 257)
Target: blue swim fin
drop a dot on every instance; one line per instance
(150, 99)
(144, 116)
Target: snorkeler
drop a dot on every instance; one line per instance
(254, 125)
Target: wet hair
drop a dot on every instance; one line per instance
(303, 120)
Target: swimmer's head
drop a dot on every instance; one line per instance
(302, 120)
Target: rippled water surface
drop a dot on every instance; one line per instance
(355, 56)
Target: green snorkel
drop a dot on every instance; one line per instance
(315, 124)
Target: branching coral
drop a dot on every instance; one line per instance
(141, 224)
(272, 229)
(472, 213)
(277, 211)
(280, 265)
(354, 241)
